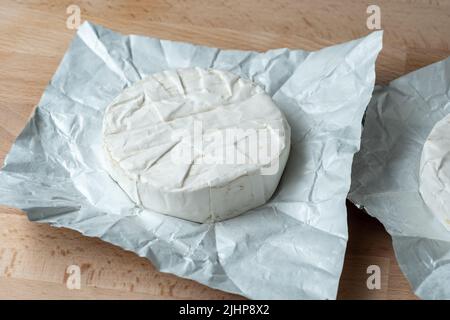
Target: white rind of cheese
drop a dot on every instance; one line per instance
(435, 171)
(165, 139)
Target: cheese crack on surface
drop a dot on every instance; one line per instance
(202, 145)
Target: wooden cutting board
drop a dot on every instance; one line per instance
(34, 258)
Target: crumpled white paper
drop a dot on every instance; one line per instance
(292, 247)
(386, 174)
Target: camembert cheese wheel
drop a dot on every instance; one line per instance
(201, 145)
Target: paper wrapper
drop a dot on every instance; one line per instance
(386, 174)
(292, 247)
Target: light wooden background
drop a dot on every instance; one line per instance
(33, 39)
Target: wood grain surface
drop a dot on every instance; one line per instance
(33, 38)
